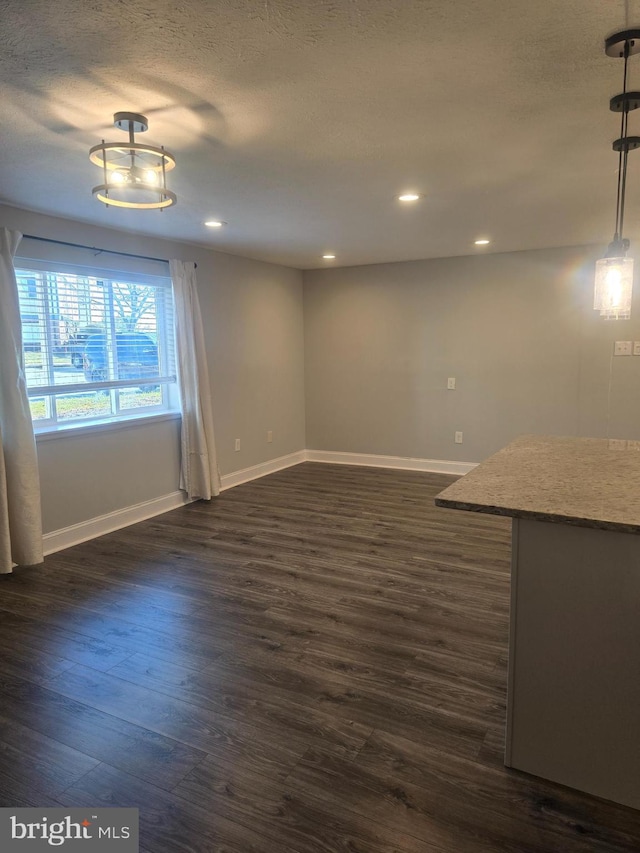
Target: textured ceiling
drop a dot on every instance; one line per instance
(298, 121)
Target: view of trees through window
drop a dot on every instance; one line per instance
(95, 347)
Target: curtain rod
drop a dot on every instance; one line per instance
(94, 248)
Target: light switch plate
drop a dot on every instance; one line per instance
(636, 347)
(451, 383)
(623, 348)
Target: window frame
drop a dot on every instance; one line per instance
(166, 377)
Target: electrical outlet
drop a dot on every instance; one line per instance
(237, 444)
(269, 436)
(458, 438)
(451, 383)
(623, 348)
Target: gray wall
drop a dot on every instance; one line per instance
(253, 321)
(365, 356)
(517, 331)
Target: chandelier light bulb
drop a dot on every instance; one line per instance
(614, 285)
(151, 177)
(117, 177)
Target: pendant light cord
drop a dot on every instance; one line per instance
(623, 153)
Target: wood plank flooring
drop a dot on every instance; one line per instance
(314, 662)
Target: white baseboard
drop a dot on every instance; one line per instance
(85, 530)
(228, 481)
(57, 540)
(403, 463)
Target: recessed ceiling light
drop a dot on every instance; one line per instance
(215, 223)
(409, 197)
(482, 242)
(329, 257)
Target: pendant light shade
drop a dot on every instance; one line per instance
(134, 174)
(613, 288)
(614, 272)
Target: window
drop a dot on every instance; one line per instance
(97, 347)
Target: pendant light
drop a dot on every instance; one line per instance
(614, 272)
(134, 174)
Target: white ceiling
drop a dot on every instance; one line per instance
(298, 121)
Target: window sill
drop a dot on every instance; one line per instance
(93, 427)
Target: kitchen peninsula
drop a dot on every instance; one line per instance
(573, 711)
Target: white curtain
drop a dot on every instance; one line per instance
(20, 517)
(199, 475)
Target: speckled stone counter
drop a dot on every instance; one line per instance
(589, 482)
(574, 642)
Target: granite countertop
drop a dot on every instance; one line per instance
(589, 482)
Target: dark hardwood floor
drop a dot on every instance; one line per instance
(315, 661)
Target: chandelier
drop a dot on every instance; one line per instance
(614, 272)
(134, 174)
